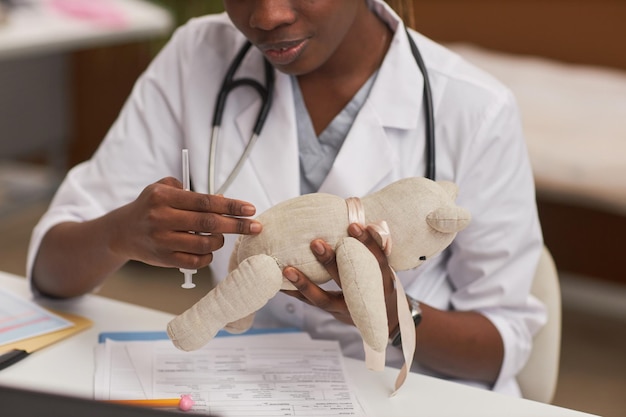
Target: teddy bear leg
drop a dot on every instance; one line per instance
(241, 325)
(243, 292)
(362, 286)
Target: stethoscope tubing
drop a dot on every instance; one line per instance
(228, 85)
(429, 111)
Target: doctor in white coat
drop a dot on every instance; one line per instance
(478, 318)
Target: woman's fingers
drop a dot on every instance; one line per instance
(310, 292)
(199, 212)
(326, 256)
(306, 290)
(167, 226)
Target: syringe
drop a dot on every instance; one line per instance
(187, 187)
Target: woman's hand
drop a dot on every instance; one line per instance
(333, 301)
(156, 228)
(307, 291)
(461, 344)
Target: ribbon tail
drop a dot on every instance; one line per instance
(407, 332)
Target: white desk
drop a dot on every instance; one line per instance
(31, 30)
(68, 367)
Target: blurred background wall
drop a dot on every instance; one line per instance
(575, 31)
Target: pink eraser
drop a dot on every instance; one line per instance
(186, 402)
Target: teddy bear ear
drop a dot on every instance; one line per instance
(450, 188)
(448, 219)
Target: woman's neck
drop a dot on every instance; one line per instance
(327, 90)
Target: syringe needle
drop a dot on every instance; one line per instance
(187, 186)
(186, 180)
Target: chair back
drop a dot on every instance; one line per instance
(539, 376)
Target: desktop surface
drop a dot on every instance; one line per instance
(67, 368)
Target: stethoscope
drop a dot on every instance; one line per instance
(266, 92)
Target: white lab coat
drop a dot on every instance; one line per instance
(479, 145)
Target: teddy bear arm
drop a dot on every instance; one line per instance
(243, 292)
(362, 285)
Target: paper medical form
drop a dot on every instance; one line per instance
(21, 319)
(285, 374)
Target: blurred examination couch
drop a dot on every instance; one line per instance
(574, 119)
(564, 61)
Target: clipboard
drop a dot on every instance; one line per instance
(13, 352)
(162, 335)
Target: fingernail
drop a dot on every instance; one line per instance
(248, 210)
(356, 230)
(290, 274)
(318, 248)
(256, 227)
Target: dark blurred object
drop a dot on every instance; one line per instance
(24, 403)
(7, 5)
(3, 10)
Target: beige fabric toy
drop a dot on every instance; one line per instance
(421, 217)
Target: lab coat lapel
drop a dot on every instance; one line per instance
(274, 158)
(397, 95)
(364, 160)
(367, 156)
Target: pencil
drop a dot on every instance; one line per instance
(162, 402)
(183, 403)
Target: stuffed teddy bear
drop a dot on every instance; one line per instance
(421, 219)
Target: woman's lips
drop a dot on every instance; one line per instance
(283, 53)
